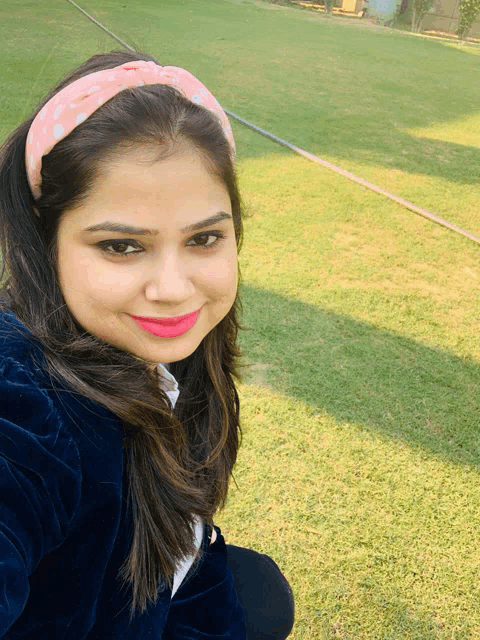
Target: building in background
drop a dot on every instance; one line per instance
(443, 16)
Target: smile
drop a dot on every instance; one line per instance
(168, 327)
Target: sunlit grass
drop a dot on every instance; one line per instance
(378, 537)
(463, 131)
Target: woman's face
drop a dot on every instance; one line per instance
(153, 242)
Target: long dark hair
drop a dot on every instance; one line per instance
(179, 463)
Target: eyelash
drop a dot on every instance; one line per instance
(108, 246)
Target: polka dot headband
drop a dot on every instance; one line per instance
(75, 103)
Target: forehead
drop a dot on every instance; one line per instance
(138, 166)
(175, 191)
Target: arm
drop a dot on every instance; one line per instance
(40, 481)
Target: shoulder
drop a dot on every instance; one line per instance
(16, 341)
(24, 375)
(27, 411)
(19, 353)
(21, 371)
(30, 397)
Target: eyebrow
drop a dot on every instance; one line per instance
(140, 231)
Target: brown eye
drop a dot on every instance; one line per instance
(206, 240)
(120, 247)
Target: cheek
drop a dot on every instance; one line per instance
(83, 275)
(221, 277)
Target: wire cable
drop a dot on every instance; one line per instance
(364, 183)
(309, 156)
(99, 24)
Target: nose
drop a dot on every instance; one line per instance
(169, 281)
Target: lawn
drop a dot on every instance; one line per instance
(359, 470)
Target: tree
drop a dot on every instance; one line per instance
(469, 10)
(420, 9)
(329, 6)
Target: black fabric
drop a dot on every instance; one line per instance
(65, 529)
(264, 593)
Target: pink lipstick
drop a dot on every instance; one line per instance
(168, 327)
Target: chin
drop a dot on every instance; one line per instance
(174, 350)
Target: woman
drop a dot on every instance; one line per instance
(119, 417)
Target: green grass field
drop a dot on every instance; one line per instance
(359, 471)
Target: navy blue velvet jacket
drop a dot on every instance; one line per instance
(64, 533)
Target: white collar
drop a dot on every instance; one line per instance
(169, 384)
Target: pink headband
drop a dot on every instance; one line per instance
(76, 102)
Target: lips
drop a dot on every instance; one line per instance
(168, 327)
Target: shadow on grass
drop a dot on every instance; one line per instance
(406, 391)
(392, 149)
